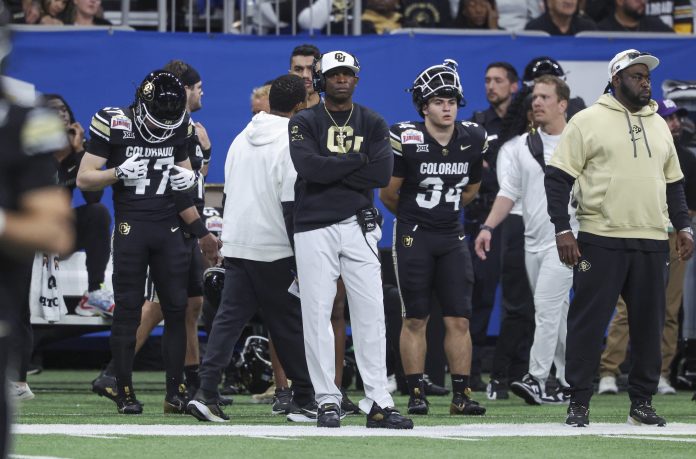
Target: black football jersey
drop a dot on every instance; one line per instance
(115, 137)
(435, 175)
(196, 156)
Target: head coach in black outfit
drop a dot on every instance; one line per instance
(620, 155)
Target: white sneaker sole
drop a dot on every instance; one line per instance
(635, 422)
(522, 391)
(201, 412)
(299, 417)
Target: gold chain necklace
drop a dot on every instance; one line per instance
(341, 136)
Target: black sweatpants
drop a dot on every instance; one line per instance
(600, 276)
(159, 245)
(93, 235)
(486, 278)
(252, 286)
(511, 357)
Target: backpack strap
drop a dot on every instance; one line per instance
(536, 148)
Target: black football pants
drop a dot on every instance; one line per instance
(600, 276)
(252, 286)
(160, 245)
(92, 225)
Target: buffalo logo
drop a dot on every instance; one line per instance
(407, 241)
(340, 57)
(124, 228)
(584, 265)
(148, 90)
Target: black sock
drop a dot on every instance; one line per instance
(459, 383)
(173, 385)
(416, 385)
(191, 375)
(121, 383)
(92, 286)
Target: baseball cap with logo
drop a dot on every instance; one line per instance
(630, 57)
(666, 107)
(336, 59)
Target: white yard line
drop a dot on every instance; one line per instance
(464, 431)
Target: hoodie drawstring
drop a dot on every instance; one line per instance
(645, 136)
(630, 130)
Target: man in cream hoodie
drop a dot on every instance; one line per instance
(629, 187)
(259, 260)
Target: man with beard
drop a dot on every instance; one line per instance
(501, 83)
(629, 187)
(629, 16)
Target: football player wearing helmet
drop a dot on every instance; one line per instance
(144, 148)
(437, 171)
(341, 153)
(199, 150)
(35, 214)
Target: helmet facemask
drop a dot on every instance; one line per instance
(160, 106)
(437, 81)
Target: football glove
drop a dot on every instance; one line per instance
(182, 178)
(132, 169)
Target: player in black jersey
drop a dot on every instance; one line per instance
(437, 171)
(145, 150)
(199, 149)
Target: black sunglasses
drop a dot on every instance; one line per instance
(637, 55)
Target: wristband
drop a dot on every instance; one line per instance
(206, 153)
(486, 228)
(2, 221)
(561, 233)
(198, 229)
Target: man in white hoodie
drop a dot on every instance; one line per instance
(620, 156)
(259, 262)
(525, 158)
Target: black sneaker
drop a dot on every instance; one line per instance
(307, 413)
(642, 413)
(206, 409)
(528, 389)
(433, 389)
(347, 405)
(176, 403)
(578, 415)
(104, 385)
(418, 404)
(557, 397)
(495, 390)
(329, 415)
(387, 418)
(476, 384)
(462, 404)
(224, 401)
(282, 401)
(126, 403)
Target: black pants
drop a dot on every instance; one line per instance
(252, 286)
(93, 235)
(600, 276)
(511, 357)
(159, 245)
(486, 277)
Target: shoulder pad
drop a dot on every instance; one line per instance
(42, 132)
(108, 119)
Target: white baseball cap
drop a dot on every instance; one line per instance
(335, 59)
(630, 57)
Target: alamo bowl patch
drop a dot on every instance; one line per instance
(412, 136)
(121, 122)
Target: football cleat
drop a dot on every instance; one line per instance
(176, 403)
(418, 405)
(387, 418)
(642, 413)
(126, 403)
(433, 389)
(105, 386)
(462, 404)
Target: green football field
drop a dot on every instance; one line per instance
(66, 420)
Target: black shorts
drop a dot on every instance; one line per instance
(194, 287)
(428, 260)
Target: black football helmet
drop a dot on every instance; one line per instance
(213, 282)
(255, 365)
(542, 66)
(439, 80)
(160, 106)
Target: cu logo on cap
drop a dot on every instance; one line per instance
(340, 57)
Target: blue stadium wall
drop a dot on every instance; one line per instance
(93, 69)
